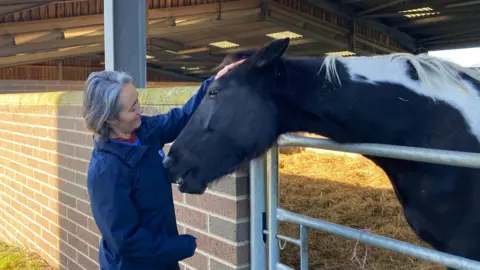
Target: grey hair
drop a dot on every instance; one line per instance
(100, 100)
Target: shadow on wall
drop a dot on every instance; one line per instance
(78, 233)
(79, 236)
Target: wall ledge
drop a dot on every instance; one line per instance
(147, 96)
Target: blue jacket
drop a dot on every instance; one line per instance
(131, 196)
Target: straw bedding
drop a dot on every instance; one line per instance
(349, 190)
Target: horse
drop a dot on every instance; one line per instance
(396, 99)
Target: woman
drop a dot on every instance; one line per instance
(130, 194)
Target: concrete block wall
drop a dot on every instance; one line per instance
(44, 205)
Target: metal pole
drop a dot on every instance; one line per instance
(109, 27)
(125, 24)
(258, 174)
(303, 247)
(272, 191)
(445, 259)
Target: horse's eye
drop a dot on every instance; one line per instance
(212, 92)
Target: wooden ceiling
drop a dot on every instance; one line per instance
(434, 24)
(181, 32)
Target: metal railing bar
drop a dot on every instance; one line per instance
(282, 266)
(445, 259)
(437, 156)
(288, 239)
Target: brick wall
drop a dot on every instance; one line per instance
(44, 154)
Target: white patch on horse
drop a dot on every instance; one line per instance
(438, 79)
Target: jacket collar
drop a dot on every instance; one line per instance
(130, 154)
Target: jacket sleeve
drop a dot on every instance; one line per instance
(166, 127)
(117, 219)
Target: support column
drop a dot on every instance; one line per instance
(125, 23)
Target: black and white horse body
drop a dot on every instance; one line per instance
(397, 99)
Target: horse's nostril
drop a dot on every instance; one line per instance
(168, 162)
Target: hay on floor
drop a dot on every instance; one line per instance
(349, 190)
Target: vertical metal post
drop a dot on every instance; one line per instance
(303, 247)
(258, 175)
(272, 191)
(125, 24)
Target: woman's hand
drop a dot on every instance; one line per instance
(227, 68)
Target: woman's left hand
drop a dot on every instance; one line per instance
(227, 68)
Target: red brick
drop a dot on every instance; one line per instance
(81, 179)
(84, 208)
(83, 152)
(65, 123)
(76, 191)
(88, 236)
(67, 225)
(77, 244)
(67, 250)
(191, 217)
(219, 205)
(77, 217)
(86, 262)
(93, 254)
(220, 249)
(197, 261)
(50, 238)
(177, 195)
(92, 226)
(51, 216)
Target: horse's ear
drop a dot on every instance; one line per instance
(272, 51)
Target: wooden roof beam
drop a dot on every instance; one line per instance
(173, 74)
(41, 36)
(71, 37)
(51, 45)
(16, 2)
(437, 19)
(382, 6)
(442, 11)
(18, 7)
(347, 12)
(7, 52)
(334, 36)
(153, 14)
(26, 59)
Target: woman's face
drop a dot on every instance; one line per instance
(129, 117)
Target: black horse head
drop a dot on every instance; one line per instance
(236, 121)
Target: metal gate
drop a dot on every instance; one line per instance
(265, 213)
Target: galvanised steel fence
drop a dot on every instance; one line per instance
(265, 213)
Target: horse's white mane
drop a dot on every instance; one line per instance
(433, 72)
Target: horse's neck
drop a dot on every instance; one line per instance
(305, 106)
(362, 112)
